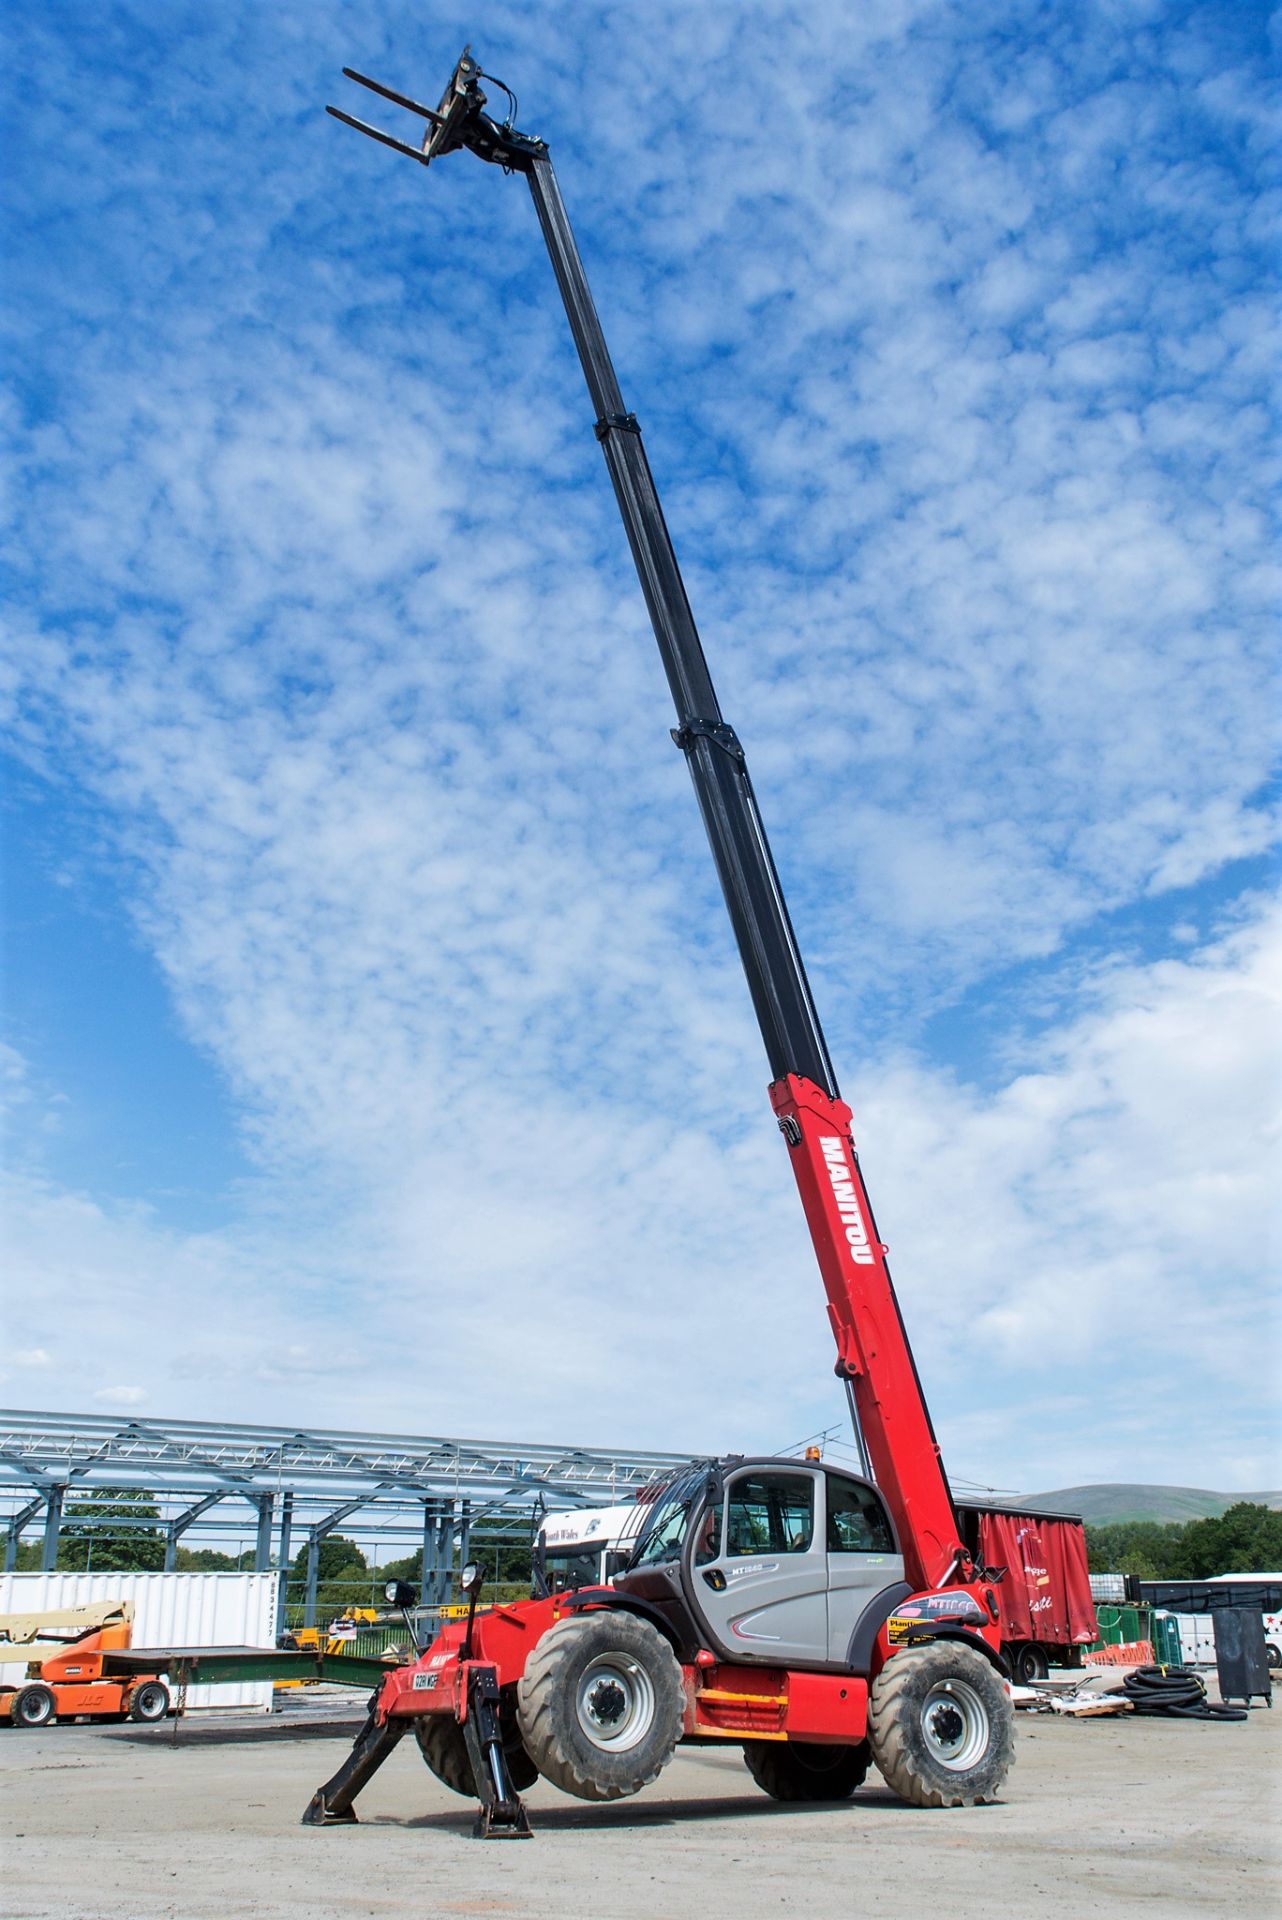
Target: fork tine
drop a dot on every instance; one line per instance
(388, 93)
(376, 133)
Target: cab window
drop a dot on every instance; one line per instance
(770, 1513)
(857, 1520)
(668, 1530)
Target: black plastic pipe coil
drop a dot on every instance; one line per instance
(1174, 1691)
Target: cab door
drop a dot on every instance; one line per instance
(862, 1557)
(760, 1571)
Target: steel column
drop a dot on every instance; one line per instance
(263, 1537)
(444, 1553)
(313, 1577)
(282, 1562)
(427, 1560)
(53, 1527)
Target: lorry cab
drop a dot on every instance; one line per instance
(771, 1561)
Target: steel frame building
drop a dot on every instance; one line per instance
(301, 1483)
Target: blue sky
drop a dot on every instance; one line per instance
(376, 1049)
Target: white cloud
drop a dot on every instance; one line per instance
(31, 1357)
(121, 1396)
(1075, 1253)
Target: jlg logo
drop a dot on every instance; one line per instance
(843, 1188)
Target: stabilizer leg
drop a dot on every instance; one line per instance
(331, 1805)
(502, 1814)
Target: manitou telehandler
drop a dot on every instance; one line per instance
(817, 1618)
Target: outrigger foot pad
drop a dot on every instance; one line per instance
(502, 1823)
(319, 1814)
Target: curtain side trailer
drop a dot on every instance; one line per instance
(1047, 1615)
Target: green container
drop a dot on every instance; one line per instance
(1122, 1626)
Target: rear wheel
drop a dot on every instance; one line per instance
(800, 1770)
(941, 1726)
(150, 1701)
(1029, 1665)
(34, 1707)
(600, 1705)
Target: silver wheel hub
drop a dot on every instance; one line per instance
(615, 1702)
(955, 1722)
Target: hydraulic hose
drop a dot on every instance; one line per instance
(1173, 1691)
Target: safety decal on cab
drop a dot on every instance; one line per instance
(424, 1682)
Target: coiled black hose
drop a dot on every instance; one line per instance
(1174, 1691)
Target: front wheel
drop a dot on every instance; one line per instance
(801, 1770)
(941, 1726)
(150, 1701)
(600, 1704)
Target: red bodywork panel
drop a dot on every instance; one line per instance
(872, 1346)
(1046, 1594)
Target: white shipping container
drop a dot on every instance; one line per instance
(170, 1610)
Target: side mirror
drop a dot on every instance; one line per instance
(471, 1578)
(399, 1593)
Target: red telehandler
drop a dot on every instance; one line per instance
(819, 1619)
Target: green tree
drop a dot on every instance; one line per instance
(1245, 1539)
(209, 1560)
(343, 1578)
(134, 1542)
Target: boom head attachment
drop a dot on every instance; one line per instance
(458, 121)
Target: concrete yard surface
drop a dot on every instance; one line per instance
(1101, 1817)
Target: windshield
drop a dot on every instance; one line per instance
(666, 1530)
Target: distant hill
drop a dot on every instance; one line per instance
(1117, 1501)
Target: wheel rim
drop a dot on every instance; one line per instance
(955, 1722)
(615, 1702)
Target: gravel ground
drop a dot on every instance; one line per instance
(1105, 1816)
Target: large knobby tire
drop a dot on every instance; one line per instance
(442, 1743)
(150, 1701)
(34, 1707)
(801, 1770)
(600, 1704)
(941, 1726)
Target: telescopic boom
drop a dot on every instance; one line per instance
(872, 1346)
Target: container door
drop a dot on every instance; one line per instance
(762, 1576)
(862, 1560)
